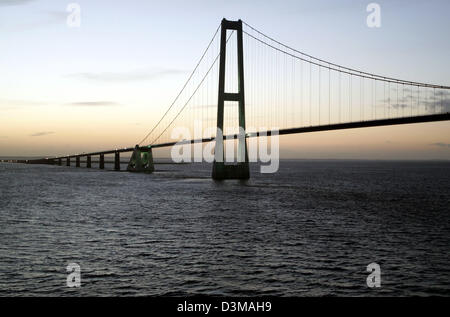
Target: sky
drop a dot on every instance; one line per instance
(104, 84)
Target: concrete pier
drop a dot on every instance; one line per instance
(141, 161)
(77, 161)
(88, 161)
(235, 171)
(117, 161)
(68, 161)
(102, 161)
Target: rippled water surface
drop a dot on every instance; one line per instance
(309, 230)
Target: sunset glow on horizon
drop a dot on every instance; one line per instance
(105, 84)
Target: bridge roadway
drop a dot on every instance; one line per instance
(329, 127)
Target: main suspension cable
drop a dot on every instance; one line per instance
(198, 86)
(184, 86)
(348, 70)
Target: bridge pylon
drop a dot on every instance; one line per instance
(141, 160)
(101, 163)
(241, 169)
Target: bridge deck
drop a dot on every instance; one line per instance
(329, 127)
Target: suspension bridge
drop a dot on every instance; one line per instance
(247, 84)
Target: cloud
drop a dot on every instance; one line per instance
(400, 106)
(440, 144)
(441, 93)
(10, 104)
(134, 75)
(57, 15)
(437, 102)
(93, 104)
(214, 106)
(14, 2)
(438, 106)
(44, 19)
(42, 133)
(18, 102)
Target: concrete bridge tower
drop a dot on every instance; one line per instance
(241, 169)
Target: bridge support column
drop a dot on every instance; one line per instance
(88, 161)
(77, 161)
(59, 162)
(68, 161)
(241, 169)
(101, 164)
(141, 160)
(117, 161)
